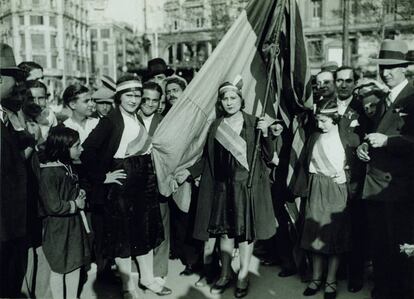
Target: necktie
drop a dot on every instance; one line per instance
(388, 101)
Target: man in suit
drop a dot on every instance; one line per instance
(13, 200)
(389, 184)
(103, 98)
(151, 97)
(325, 85)
(353, 124)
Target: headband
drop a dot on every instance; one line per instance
(128, 85)
(229, 88)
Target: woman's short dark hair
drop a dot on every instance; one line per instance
(328, 108)
(58, 144)
(72, 92)
(117, 97)
(219, 106)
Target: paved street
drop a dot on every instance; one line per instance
(264, 284)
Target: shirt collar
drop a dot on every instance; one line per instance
(344, 102)
(396, 90)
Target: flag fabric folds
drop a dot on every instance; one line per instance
(179, 140)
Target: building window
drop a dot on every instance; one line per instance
(21, 20)
(94, 33)
(317, 8)
(175, 25)
(105, 33)
(36, 2)
(52, 21)
(38, 41)
(36, 20)
(54, 62)
(105, 71)
(199, 22)
(315, 49)
(40, 59)
(106, 59)
(105, 46)
(94, 46)
(52, 3)
(22, 41)
(53, 42)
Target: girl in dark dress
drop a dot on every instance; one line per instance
(132, 218)
(227, 209)
(65, 242)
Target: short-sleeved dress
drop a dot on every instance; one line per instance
(327, 221)
(65, 241)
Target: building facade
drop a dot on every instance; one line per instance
(192, 29)
(370, 22)
(53, 33)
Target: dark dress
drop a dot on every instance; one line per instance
(133, 223)
(225, 205)
(65, 242)
(231, 210)
(131, 212)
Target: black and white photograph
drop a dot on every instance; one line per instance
(207, 149)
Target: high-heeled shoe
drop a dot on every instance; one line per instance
(155, 288)
(317, 283)
(221, 285)
(331, 286)
(242, 288)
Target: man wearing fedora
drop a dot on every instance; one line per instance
(389, 183)
(13, 201)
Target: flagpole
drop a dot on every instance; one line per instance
(274, 52)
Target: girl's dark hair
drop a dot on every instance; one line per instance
(323, 108)
(117, 97)
(219, 106)
(71, 93)
(58, 144)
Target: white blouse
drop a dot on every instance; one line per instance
(131, 131)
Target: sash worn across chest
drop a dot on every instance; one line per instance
(141, 144)
(232, 142)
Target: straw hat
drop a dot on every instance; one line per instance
(392, 52)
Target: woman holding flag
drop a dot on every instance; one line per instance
(227, 208)
(120, 146)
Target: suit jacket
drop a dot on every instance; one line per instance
(352, 128)
(13, 201)
(262, 201)
(390, 171)
(99, 150)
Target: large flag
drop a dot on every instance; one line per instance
(179, 140)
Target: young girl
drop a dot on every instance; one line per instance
(326, 232)
(65, 242)
(227, 209)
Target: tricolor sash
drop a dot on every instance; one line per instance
(321, 161)
(232, 142)
(141, 144)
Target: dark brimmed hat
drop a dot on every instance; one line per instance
(158, 66)
(8, 63)
(392, 52)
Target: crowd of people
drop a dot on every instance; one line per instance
(79, 188)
